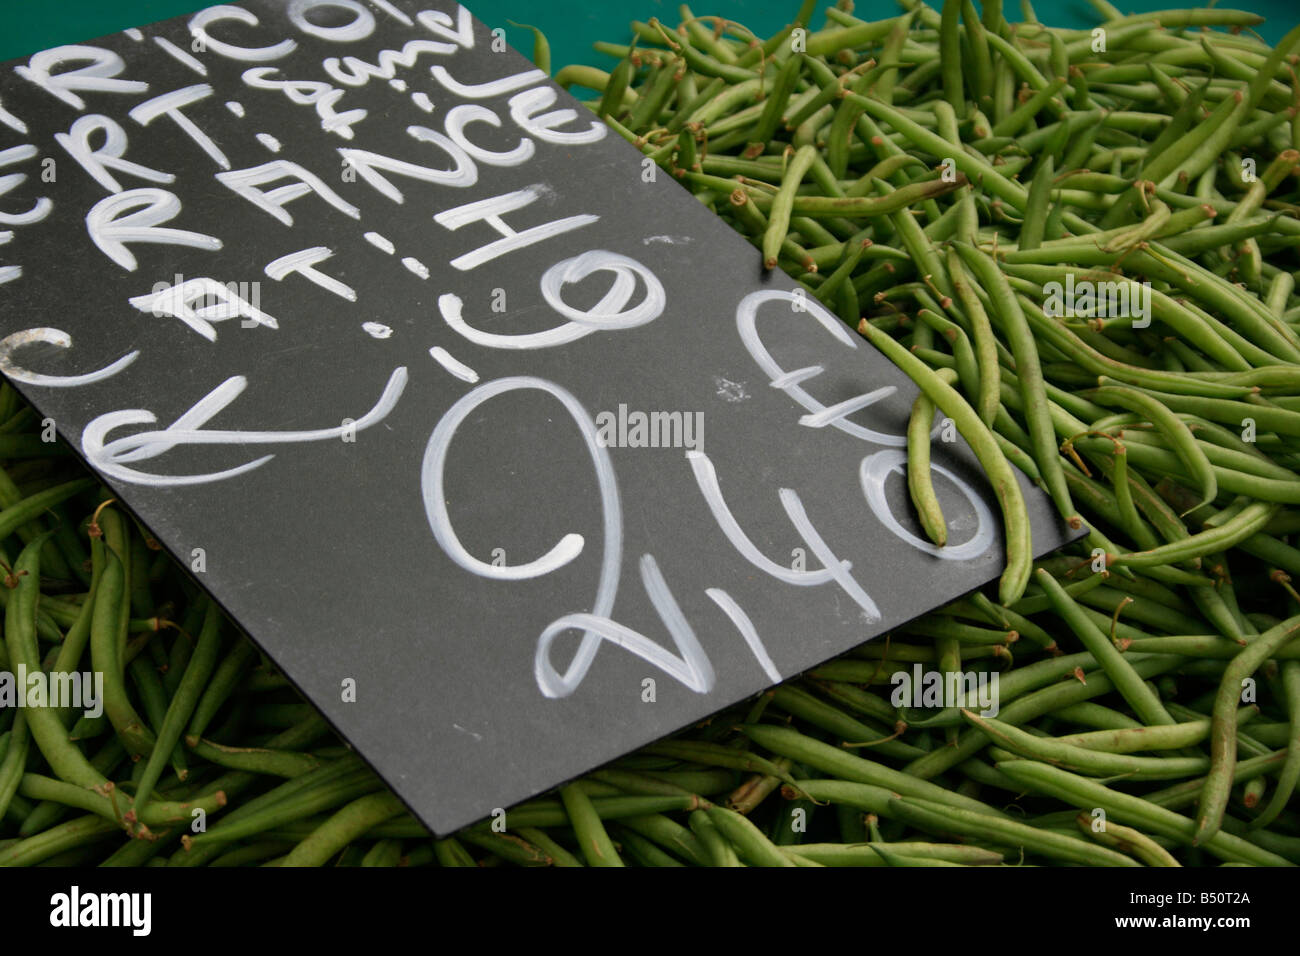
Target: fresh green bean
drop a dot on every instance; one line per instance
(1223, 736)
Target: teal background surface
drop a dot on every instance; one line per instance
(571, 26)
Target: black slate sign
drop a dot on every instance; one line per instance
(494, 438)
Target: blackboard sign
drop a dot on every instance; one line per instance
(501, 445)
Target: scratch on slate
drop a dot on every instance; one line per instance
(730, 391)
(669, 240)
(470, 732)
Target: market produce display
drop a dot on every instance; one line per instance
(1080, 245)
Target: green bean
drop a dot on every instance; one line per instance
(44, 723)
(814, 753)
(748, 840)
(1265, 72)
(1087, 795)
(935, 819)
(747, 797)
(1223, 736)
(1216, 341)
(1127, 840)
(1036, 206)
(224, 679)
(1132, 522)
(1161, 263)
(1040, 601)
(1144, 703)
(1015, 121)
(1223, 449)
(42, 846)
(645, 111)
(558, 855)
(940, 627)
(597, 848)
(715, 755)
(1020, 64)
(667, 833)
(919, 481)
(1013, 619)
(313, 796)
(261, 760)
(1102, 718)
(349, 823)
(866, 854)
(508, 847)
(105, 628)
(805, 706)
(1290, 772)
(671, 783)
(1179, 435)
(726, 101)
(109, 803)
(977, 170)
(1213, 237)
(1028, 373)
(850, 207)
(643, 851)
(1091, 762)
(1033, 705)
(783, 203)
(1243, 526)
(541, 48)
(892, 57)
(15, 516)
(13, 758)
(254, 853)
(449, 852)
(986, 354)
(950, 55)
(616, 90)
(775, 104)
(855, 698)
(1007, 490)
(153, 699)
(718, 851)
(182, 703)
(852, 255)
(1237, 482)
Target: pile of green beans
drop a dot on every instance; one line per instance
(925, 177)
